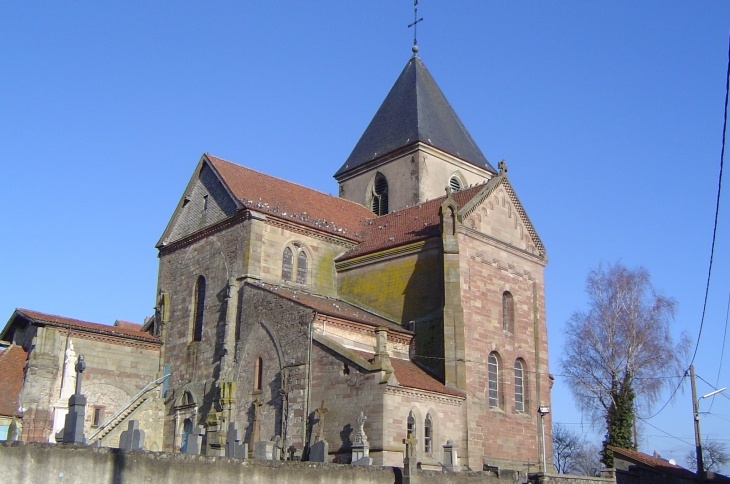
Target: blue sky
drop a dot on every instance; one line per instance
(609, 115)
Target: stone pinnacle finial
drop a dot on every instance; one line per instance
(502, 165)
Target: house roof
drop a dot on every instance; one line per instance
(332, 307)
(12, 366)
(284, 199)
(406, 226)
(37, 317)
(411, 375)
(656, 463)
(415, 110)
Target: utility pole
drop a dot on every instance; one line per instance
(698, 440)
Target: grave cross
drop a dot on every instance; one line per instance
(80, 367)
(321, 411)
(256, 419)
(414, 24)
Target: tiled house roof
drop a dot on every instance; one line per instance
(332, 307)
(122, 331)
(657, 464)
(12, 365)
(270, 195)
(405, 226)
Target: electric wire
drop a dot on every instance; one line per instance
(665, 432)
(722, 352)
(714, 235)
(717, 204)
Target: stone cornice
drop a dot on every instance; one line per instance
(388, 254)
(522, 253)
(426, 395)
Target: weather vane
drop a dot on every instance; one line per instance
(415, 21)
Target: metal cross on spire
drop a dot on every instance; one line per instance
(415, 21)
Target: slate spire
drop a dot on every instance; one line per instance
(415, 110)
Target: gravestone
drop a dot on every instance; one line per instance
(410, 461)
(319, 451)
(277, 447)
(361, 447)
(263, 450)
(451, 460)
(234, 447)
(73, 429)
(132, 438)
(195, 441)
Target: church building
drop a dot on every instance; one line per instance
(411, 307)
(416, 297)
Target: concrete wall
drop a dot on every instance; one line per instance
(34, 463)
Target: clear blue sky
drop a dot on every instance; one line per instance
(609, 115)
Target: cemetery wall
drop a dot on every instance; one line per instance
(25, 463)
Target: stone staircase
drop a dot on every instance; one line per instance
(123, 412)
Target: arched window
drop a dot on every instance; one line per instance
(287, 264)
(493, 370)
(302, 267)
(428, 434)
(455, 183)
(294, 264)
(380, 195)
(187, 430)
(508, 312)
(258, 374)
(519, 386)
(199, 308)
(187, 399)
(411, 429)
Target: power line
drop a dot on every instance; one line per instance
(722, 353)
(717, 204)
(664, 432)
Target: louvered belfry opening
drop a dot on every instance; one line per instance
(380, 195)
(455, 184)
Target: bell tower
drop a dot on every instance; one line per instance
(412, 149)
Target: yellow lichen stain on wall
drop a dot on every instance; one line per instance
(402, 288)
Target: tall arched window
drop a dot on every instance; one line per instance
(411, 428)
(380, 195)
(199, 308)
(187, 430)
(508, 312)
(287, 264)
(493, 370)
(258, 374)
(302, 267)
(519, 386)
(428, 434)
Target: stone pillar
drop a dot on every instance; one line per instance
(230, 328)
(381, 359)
(451, 460)
(73, 431)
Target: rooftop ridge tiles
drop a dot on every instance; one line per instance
(63, 320)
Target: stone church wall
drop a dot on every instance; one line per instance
(488, 270)
(402, 288)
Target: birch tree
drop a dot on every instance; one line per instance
(619, 353)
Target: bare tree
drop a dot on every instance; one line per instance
(714, 456)
(566, 447)
(620, 354)
(572, 454)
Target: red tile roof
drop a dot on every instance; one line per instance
(12, 365)
(119, 323)
(280, 198)
(332, 307)
(405, 226)
(52, 319)
(660, 465)
(411, 375)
